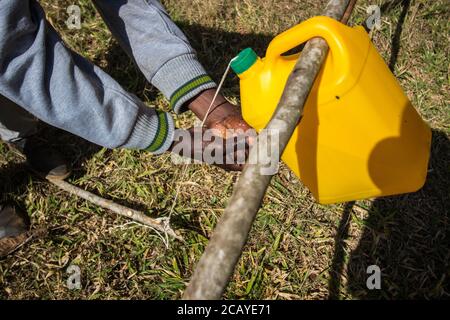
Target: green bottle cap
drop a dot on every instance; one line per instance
(244, 61)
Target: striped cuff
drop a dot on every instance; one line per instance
(189, 90)
(164, 134)
(153, 131)
(181, 79)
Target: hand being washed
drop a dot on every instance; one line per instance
(209, 147)
(223, 115)
(226, 145)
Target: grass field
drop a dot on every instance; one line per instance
(297, 248)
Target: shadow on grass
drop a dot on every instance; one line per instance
(396, 37)
(338, 263)
(408, 237)
(13, 181)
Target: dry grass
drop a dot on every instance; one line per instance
(297, 248)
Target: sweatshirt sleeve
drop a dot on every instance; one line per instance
(40, 74)
(159, 48)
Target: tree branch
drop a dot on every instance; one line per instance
(225, 247)
(160, 224)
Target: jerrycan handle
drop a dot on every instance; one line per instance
(323, 27)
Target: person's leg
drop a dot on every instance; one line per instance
(15, 123)
(159, 48)
(18, 128)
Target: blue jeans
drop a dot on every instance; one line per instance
(41, 78)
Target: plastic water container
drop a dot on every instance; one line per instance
(360, 137)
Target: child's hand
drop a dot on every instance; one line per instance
(223, 115)
(207, 146)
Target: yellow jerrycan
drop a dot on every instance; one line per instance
(360, 137)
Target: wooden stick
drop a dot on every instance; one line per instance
(160, 224)
(217, 264)
(349, 11)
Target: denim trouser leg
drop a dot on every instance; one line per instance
(15, 122)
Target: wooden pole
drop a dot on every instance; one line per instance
(217, 263)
